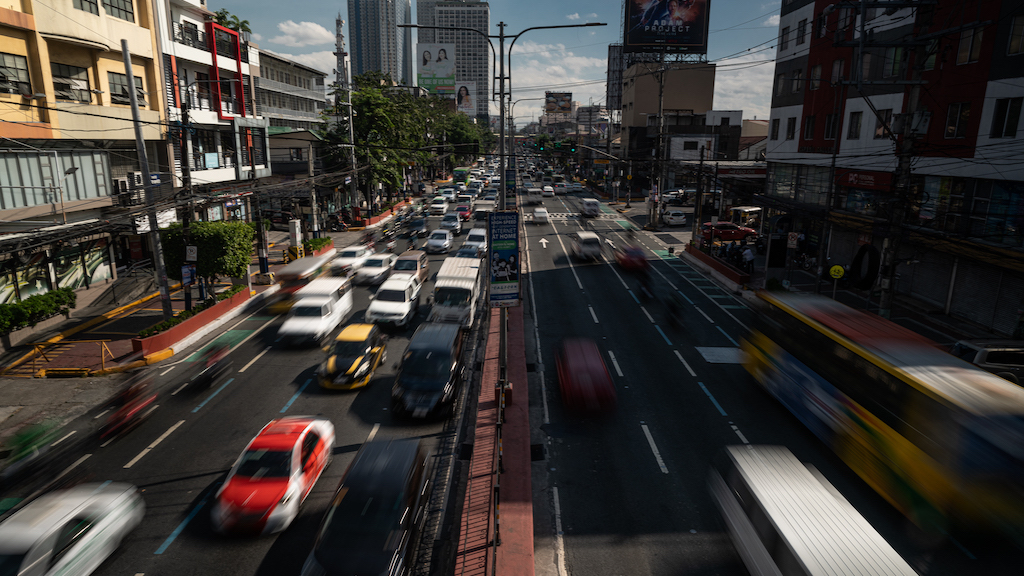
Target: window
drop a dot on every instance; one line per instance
(837, 71)
(815, 77)
(775, 129)
(70, 82)
(790, 128)
(687, 145)
(830, 126)
(801, 32)
(883, 121)
(798, 80)
(780, 83)
(14, 74)
(893, 62)
(970, 46)
(822, 28)
(120, 9)
(956, 119)
(119, 89)
(89, 6)
(784, 39)
(1016, 36)
(724, 121)
(809, 128)
(853, 132)
(931, 50)
(1006, 117)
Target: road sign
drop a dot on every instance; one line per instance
(503, 259)
(602, 161)
(188, 274)
(836, 272)
(191, 253)
(793, 240)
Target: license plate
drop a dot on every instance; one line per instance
(419, 413)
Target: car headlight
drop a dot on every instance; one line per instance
(363, 369)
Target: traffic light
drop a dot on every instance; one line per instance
(542, 147)
(572, 148)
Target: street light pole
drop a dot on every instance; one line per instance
(60, 190)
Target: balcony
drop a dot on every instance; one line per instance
(190, 37)
(281, 87)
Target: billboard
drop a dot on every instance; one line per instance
(465, 98)
(435, 70)
(503, 244)
(666, 25)
(557, 102)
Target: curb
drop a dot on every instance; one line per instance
(146, 361)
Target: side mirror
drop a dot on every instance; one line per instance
(371, 296)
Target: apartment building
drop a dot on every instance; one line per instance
(377, 41)
(291, 96)
(472, 51)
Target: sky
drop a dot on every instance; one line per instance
(741, 42)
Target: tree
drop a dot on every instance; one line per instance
(225, 248)
(229, 20)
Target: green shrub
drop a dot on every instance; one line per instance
(35, 309)
(773, 285)
(186, 314)
(314, 244)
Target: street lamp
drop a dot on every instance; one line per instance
(60, 190)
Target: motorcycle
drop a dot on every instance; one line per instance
(135, 403)
(214, 365)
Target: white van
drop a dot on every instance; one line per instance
(540, 215)
(591, 207)
(586, 246)
(395, 302)
(456, 291)
(314, 318)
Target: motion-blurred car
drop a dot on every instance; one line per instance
(438, 206)
(560, 188)
(452, 222)
(727, 231)
(274, 474)
(375, 269)
(418, 227)
(395, 302)
(439, 241)
(412, 263)
(674, 217)
(1004, 358)
(540, 215)
(353, 357)
(466, 252)
(631, 258)
(463, 212)
(69, 531)
(586, 246)
(374, 521)
(583, 378)
(477, 238)
(350, 259)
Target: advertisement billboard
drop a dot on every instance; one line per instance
(503, 256)
(465, 98)
(666, 25)
(558, 102)
(435, 68)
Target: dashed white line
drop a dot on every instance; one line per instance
(180, 388)
(648, 314)
(253, 361)
(704, 314)
(100, 415)
(688, 369)
(373, 432)
(593, 315)
(559, 542)
(73, 465)
(149, 448)
(654, 448)
(615, 363)
(66, 436)
(168, 370)
(740, 434)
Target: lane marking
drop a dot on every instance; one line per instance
(704, 314)
(662, 332)
(654, 448)
(648, 314)
(66, 436)
(685, 297)
(107, 443)
(254, 359)
(740, 434)
(149, 448)
(168, 370)
(713, 401)
(536, 334)
(373, 432)
(181, 527)
(180, 388)
(635, 299)
(559, 540)
(210, 397)
(568, 260)
(593, 314)
(615, 363)
(688, 369)
(295, 396)
(73, 466)
(727, 336)
(97, 417)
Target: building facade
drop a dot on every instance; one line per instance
(291, 96)
(947, 216)
(378, 44)
(472, 51)
(689, 89)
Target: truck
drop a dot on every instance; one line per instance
(456, 292)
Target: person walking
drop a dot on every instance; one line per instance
(748, 260)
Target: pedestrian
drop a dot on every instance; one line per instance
(748, 260)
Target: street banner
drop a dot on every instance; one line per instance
(503, 259)
(465, 98)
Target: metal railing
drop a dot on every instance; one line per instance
(189, 36)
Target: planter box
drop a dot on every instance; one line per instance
(169, 337)
(328, 246)
(733, 274)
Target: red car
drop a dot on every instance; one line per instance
(727, 231)
(583, 378)
(631, 258)
(463, 211)
(274, 474)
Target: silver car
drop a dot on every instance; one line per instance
(438, 241)
(452, 223)
(69, 531)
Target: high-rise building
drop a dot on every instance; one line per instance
(377, 41)
(425, 17)
(472, 51)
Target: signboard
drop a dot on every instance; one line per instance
(793, 240)
(510, 179)
(557, 102)
(602, 161)
(465, 98)
(666, 25)
(435, 69)
(191, 253)
(188, 274)
(503, 258)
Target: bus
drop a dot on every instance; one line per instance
(784, 517)
(938, 438)
(462, 176)
(297, 274)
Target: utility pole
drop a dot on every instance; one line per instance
(698, 202)
(652, 209)
(140, 147)
(186, 182)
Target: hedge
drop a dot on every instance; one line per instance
(35, 309)
(186, 314)
(314, 244)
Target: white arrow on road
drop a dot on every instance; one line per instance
(544, 242)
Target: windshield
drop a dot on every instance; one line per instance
(426, 370)
(405, 265)
(258, 464)
(307, 311)
(449, 218)
(350, 254)
(438, 236)
(439, 200)
(359, 523)
(451, 296)
(374, 264)
(349, 349)
(391, 296)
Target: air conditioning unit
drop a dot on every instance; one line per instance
(135, 179)
(121, 185)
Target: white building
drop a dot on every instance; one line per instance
(472, 50)
(377, 41)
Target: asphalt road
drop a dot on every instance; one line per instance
(626, 493)
(180, 455)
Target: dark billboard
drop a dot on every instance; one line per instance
(666, 25)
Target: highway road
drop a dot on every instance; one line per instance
(626, 493)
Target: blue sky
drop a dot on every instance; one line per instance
(742, 33)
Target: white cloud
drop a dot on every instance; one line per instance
(323, 61)
(592, 15)
(745, 87)
(772, 21)
(537, 68)
(257, 36)
(574, 16)
(296, 35)
(772, 4)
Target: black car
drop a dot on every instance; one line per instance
(430, 373)
(418, 227)
(374, 521)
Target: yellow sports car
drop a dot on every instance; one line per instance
(353, 357)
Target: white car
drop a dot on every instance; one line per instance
(452, 223)
(312, 319)
(586, 246)
(350, 259)
(375, 269)
(438, 205)
(477, 238)
(395, 302)
(674, 217)
(547, 192)
(438, 241)
(69, 531)
(540, 215)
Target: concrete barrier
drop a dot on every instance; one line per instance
(179, 332)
